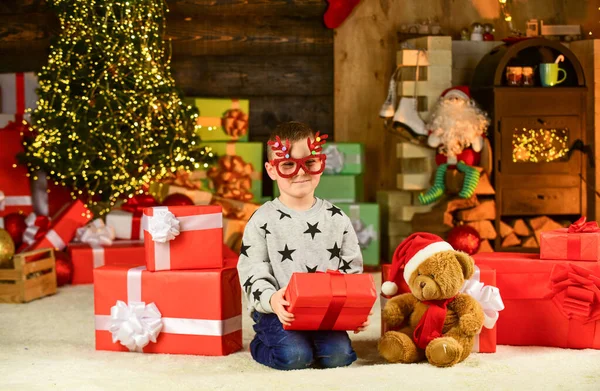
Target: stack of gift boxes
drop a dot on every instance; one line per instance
(342, 184)
(186, 299)
(549, 299)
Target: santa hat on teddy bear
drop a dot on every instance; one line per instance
(411, 253)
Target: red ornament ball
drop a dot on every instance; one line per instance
(64, 268)
(14, 224)
(177, 199)
(464, 238)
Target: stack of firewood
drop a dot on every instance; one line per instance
(526, 233)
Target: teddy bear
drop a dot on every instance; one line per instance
(433, 319)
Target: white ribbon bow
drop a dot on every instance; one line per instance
(488, 296)
(31, 230)
(335, 160)
(135, 325)
(163, 226)
(365, 234)
(96, 233)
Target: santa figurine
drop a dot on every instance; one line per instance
(456, 129)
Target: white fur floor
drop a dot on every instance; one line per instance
(49, 344)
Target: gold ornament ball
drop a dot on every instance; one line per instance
(7, 248)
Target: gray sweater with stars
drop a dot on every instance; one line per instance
(279, 241)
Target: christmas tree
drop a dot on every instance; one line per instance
(109, 119)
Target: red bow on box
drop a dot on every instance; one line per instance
(580, 226)
(576, 292)
(37, 227)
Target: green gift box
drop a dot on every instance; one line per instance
(337, 188)
(365, 220)
(249, 152)
(344, 158)
(221, 119)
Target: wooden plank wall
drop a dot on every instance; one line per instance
(365, 49)
(277, 53)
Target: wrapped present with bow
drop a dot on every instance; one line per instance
(127, 221)
(234, 209)
(330, 301)
(238, 174)
(183, 237)
(140, 311)
(15, 191)
(57, 233)
(579, 242)
(482, 287)
(365, 221)
(95, 246)
(344, 158)
(547, 302)
(180, 183)
(221, 119)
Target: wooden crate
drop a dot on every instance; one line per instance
(33, 276)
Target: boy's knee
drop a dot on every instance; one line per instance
(339, 358)
(293, 357)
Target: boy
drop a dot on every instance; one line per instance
(296, 232)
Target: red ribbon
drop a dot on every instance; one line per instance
(20, 85)
(576, 292)
(339, 293)
(580, 226)
(136, 206)
(431, 324)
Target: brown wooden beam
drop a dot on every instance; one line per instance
(254, 75)
(237, 8)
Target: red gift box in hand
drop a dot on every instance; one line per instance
(329, 301)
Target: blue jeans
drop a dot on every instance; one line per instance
(288, 349)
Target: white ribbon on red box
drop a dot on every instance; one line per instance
(13, 201)
(164, 227)
(135, 324)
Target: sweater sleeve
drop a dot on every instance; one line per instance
(254, 268)
(352, 260)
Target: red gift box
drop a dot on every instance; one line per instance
(579, 242)
(15, 192)
(329, 301)
(127, 221)
(547, 302)
(200, 310)
(64, 227)
(86, 258)
(485, 342)
(198, 244)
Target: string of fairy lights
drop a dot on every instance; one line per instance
(109, 119)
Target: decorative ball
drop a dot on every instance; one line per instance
(7, 248)
(14, 224)
(64, 268)
(464, 238)
(177, 199)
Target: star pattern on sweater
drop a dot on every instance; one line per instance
(312, 229)
(344, 266)
(283, 214)
(345, 232)
(248, 284)
(256, 295)
(244, 249)
(311, 269)
(286, 253)
(264, 227)
(335, 211)
(335, 251)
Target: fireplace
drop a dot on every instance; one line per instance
(532, 131)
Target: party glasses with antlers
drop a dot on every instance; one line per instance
(288, 167)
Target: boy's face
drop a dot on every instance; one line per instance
(301, 184)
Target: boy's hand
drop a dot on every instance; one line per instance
(364, 326)
(278, 304)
